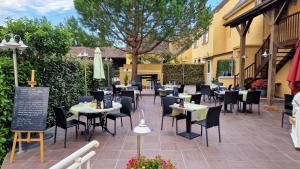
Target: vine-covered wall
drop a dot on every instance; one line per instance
(192, 73)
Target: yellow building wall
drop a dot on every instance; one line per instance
(281, 77)
(294, 7)
(143, 56)
(185, 57)
(225, 39)
(142, 69)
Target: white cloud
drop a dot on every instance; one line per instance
(41, 7)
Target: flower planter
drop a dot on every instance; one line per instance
(145, 163)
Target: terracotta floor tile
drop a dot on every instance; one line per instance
(248, 141)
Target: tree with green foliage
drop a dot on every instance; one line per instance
(80, 37)
(42, 38)
(142, 25)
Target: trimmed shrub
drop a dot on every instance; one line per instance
(192, 73)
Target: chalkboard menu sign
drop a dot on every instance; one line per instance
(107, 101)
(30, 109)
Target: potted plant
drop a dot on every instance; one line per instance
(126, 79)
(260, 85)
(214, 81)
(144, 163)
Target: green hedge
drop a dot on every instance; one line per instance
(192, 73)
(65, 78)
(6, 98)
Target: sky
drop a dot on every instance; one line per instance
(54, 10)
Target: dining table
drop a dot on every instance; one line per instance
(184, 96)
(90, 110)
(193, 112)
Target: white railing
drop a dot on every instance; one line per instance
(76, 159)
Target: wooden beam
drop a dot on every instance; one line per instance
(242, 54)
(239, 30)
(280, 12)
(247, 26)
(272, 58)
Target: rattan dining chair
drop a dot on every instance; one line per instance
(83, 99)
(212, 120)
(231, 98)
(196, 98)
(125, 111)
(288, 107)
(167, 111)
(62, 122)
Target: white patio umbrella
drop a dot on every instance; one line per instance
(98, 66)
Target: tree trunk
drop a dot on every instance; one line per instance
(134, 66)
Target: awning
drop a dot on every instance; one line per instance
(252, 13)
(294, 73)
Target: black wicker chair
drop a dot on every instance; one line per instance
(125, 111)
(196, 98)
(98, 95)
(130, 93)
(288, 107)
(156, 92)
(181, 88)
(231, 98)
(167, 111)
(83, 99)
(62, 122)
(212, 120)
(253, 97)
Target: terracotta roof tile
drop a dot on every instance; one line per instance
(107, 52)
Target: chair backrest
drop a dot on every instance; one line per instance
(168, 92)
(156, 87)
(117, 83)
(166, 103)
(83, 99)
(229, 87)
(175, 91)
(60, 117)
(98, 95)
(196, 98)
(198, 87)
(288, 99)
(205, 89)
(138, 86)
(126, 103)
(132, 87)
(128, 93)
(253, 97)
(213, 116)
(181, 88)
(231, 97)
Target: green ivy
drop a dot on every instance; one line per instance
(6, 98)
(65, 78)
(192, 73)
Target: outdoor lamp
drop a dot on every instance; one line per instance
(12, 44)
(266, 54)
(140, 130)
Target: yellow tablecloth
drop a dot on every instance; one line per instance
(163, 92)
(91, 108)
(186, 97)
(242, 92)
(198, 111)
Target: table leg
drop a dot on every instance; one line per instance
(188, 133)
(105, 124)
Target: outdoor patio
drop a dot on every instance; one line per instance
(248, 141)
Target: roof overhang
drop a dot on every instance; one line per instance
(252, 13)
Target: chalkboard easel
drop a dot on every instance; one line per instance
(29, 116)
(17, 134)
